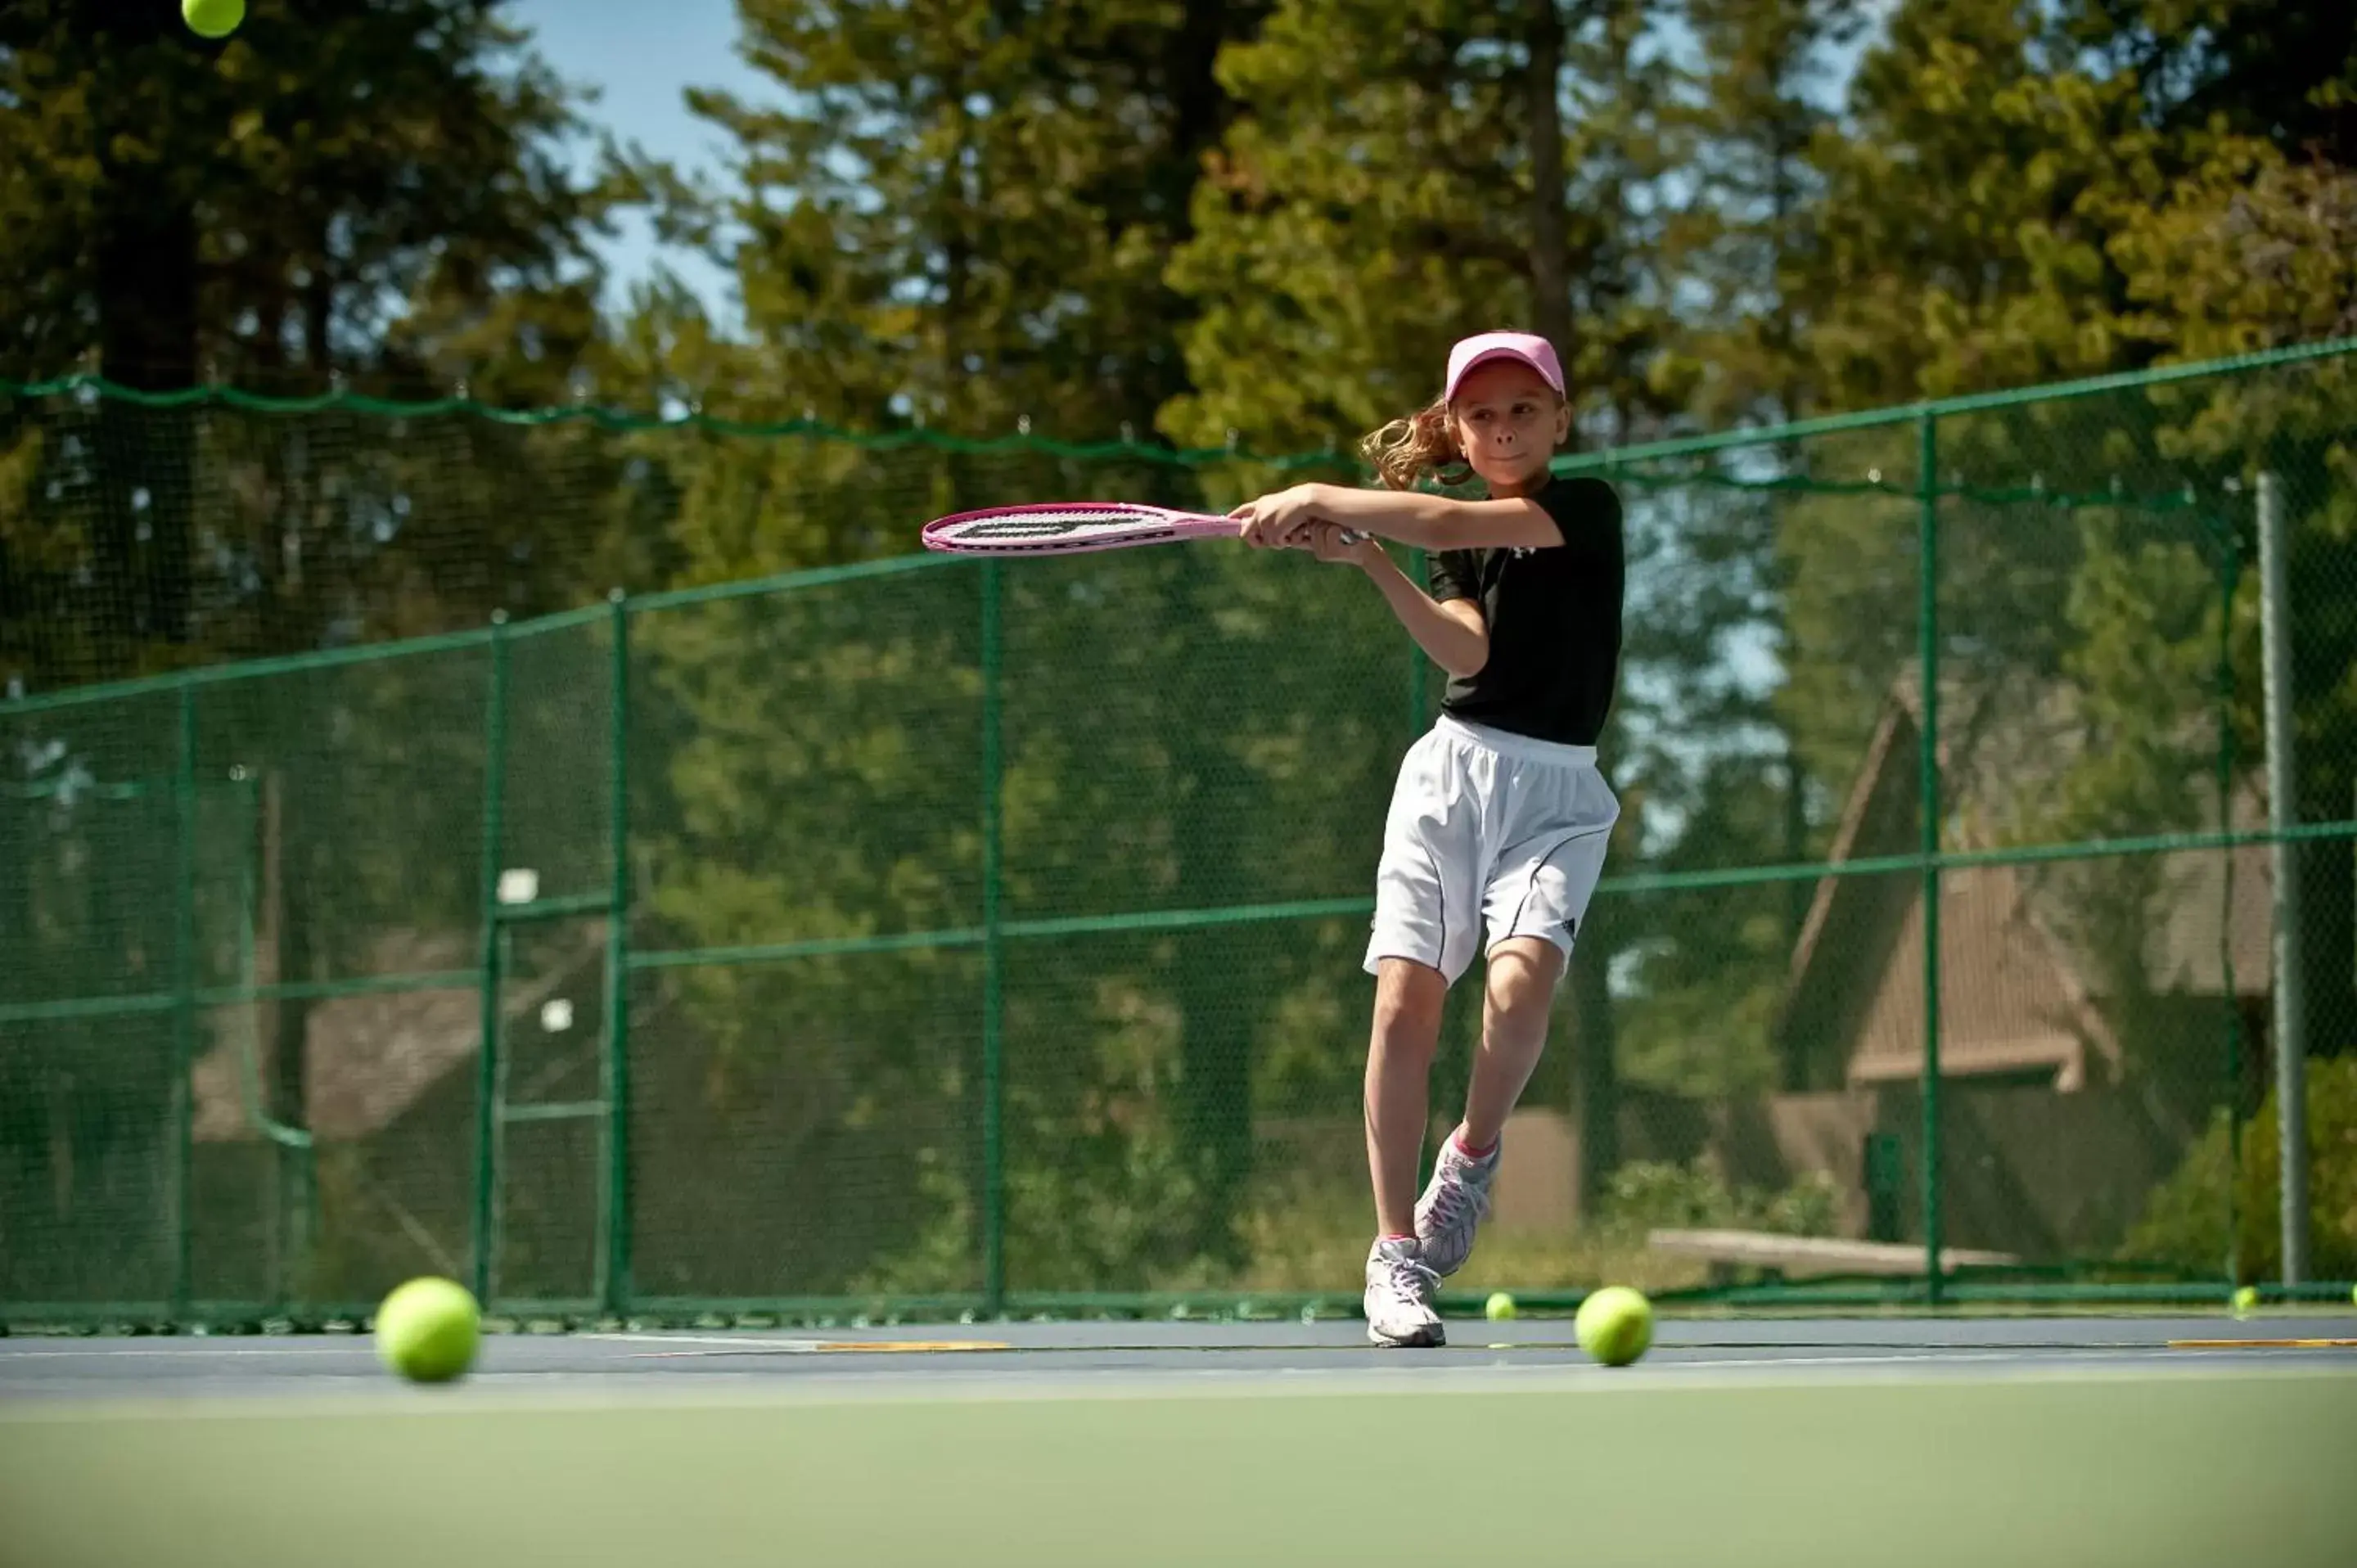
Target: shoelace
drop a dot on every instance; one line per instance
(1450, 1205)
(1413, 1278)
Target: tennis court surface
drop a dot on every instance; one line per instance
(2143, 1441)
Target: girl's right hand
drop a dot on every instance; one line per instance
(1278, 521)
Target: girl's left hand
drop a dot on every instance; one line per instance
(1331, 543)
(1280, 520)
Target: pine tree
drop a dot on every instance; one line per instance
(371, 191)
(1407, 174)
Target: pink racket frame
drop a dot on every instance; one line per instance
(1131, 525)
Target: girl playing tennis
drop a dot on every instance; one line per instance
(1498, 820)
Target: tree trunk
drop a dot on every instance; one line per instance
(2324, 649)
(146, 273)
(1550, 258)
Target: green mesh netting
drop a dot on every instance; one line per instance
(919, 935)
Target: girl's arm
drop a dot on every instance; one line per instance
(1411, 516)
(1453, 635)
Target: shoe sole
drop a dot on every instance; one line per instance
(1431, 1338)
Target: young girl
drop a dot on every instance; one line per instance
(1498, 820)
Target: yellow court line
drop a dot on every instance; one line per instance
(2263, 1344)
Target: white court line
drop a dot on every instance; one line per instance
(181, 1351)
(754, 1345)
(740, 1340)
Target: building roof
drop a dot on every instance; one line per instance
(370, 1057)
(2030, 953)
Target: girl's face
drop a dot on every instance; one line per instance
(1509, 421)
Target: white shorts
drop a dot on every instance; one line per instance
(1487, 830)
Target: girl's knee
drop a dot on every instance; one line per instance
(1408, 1000)
(1522, 979)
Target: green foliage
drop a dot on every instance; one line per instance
(1377, 198)
(958, 211)
(1646, 1194)
(2184, 1222)
(374, 192)
(376, 185)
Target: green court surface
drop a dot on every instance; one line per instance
(2217, 1466)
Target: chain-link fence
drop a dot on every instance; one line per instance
(921, 935)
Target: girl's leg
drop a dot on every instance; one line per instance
(1408, 997)
(1523, 972)
(1516, 1000)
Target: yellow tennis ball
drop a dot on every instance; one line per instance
(2246, 1301)
(1614, 1325)
(212, 18)
(427, 1329)
(1499, 1306)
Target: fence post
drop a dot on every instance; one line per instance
(618, 975)
(1928, 767)
(1415, 676)
(2289, 1022)
(993, 1066)
(1418, 685)
(184, 1004)
(486, 1086)
(2228, 585)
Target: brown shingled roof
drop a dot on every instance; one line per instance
(2023, 970)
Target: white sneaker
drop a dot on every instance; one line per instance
(1453, 1205)
(1399, 1297)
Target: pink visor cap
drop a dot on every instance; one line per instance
(1480, 350)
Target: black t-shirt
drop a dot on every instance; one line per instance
(1554, 616)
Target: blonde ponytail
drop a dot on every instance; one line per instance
(1405, 451)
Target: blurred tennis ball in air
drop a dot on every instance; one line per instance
(1499, 1306)
(2246, 1301)
(427, 1330)
(1614, 1325)
(212, 18)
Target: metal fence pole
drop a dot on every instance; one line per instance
(487, 1088)
(618, 975)
(1415, 675)
(183, 1005)
(993, 1066)
(1928, 767)
(2290, 1022)
(2229, 586)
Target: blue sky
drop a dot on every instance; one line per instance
(641, 58)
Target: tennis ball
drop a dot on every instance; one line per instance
(1499, 1306)
(212, 18)
(2246, 1301)
(1614, 1325)
(426, 1330)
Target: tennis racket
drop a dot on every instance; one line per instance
(1071, 528)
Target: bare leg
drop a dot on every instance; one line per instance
(1520, 990)
(1408, 998)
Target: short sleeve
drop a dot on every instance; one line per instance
(1454, 574)
(1586, 511)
